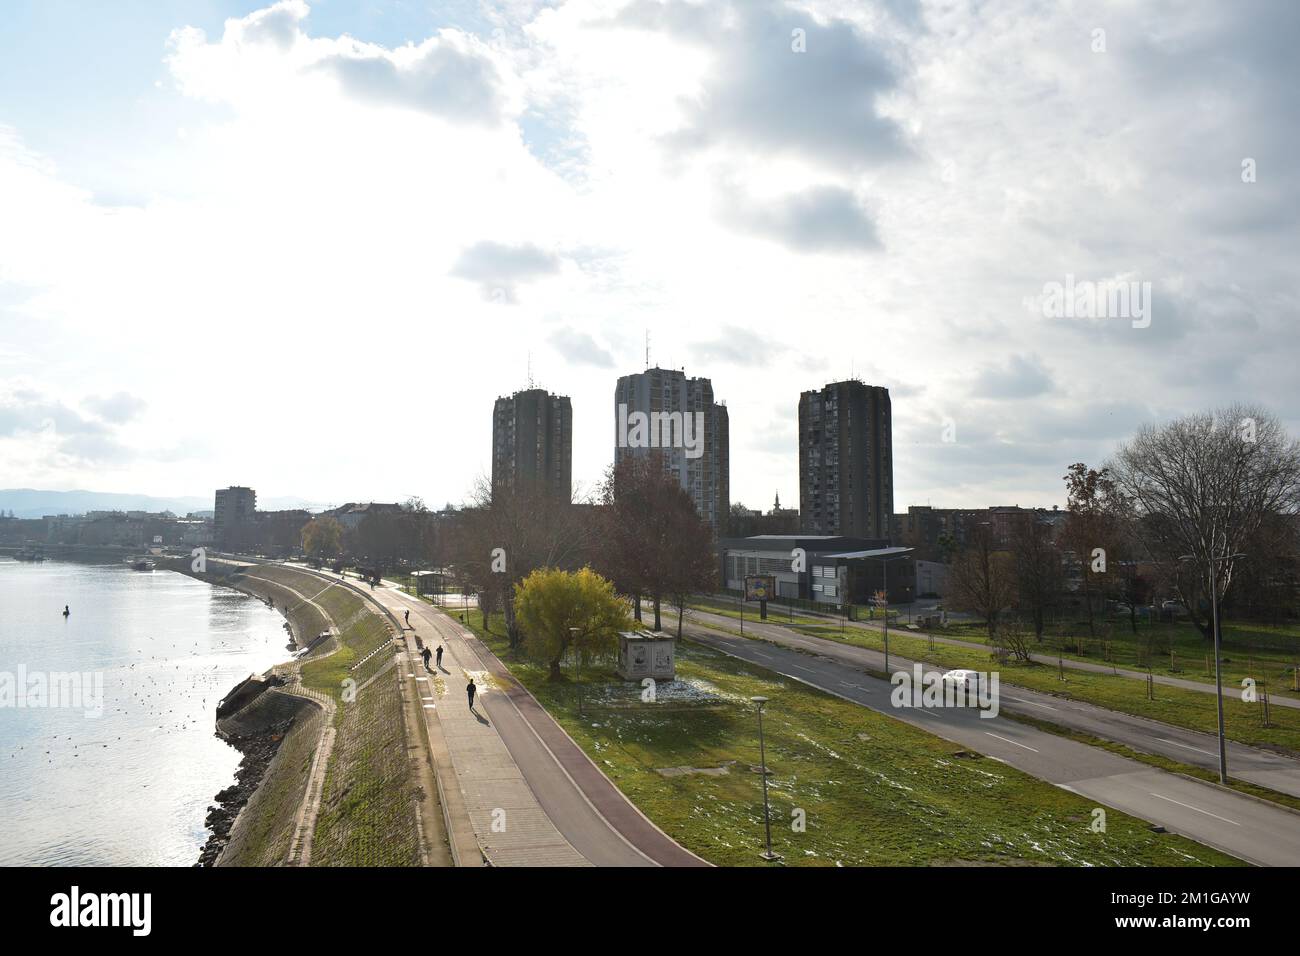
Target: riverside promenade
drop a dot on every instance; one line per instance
(515, 788)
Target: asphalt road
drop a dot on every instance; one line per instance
(1246, 763)
(1252, 830)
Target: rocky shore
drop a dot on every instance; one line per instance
(258, 749)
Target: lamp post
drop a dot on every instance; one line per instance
(1218, 677)
(884, 565)
(762, 758)
(577, 652)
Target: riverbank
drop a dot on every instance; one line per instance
(341, 788)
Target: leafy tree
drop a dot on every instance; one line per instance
(321, 537)
(1095, 505)
(550, 604)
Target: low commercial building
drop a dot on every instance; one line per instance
(828, 569)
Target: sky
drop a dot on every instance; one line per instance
(303, 247)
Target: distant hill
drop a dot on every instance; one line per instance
(32, 503)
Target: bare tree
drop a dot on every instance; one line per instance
(506, 533)
(1039, 576)
(982, 578)
(1202, 486)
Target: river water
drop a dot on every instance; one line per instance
(116, 763)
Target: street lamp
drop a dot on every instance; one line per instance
(884, 566)
(577, 651)
(1218, 677)
(762, 758)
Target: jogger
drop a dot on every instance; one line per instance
(470, 689)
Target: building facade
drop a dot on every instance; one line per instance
(661, 410)
(846, 460)
(532, 441)
(235, 506)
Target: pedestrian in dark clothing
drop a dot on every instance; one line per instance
(408, 618)
(427, 654)
(440, 657)
(470, 690)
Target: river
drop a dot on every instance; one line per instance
(116, 762)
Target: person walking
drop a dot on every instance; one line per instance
(427, 654)
(408, 618)
(439, 657)
(66, 611)
(470, 690)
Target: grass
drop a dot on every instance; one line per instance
(870, 789)
(1177, 649)
(368, 803)
(1179, 706)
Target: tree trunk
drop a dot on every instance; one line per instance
(681, 614)
(658, 623)
(636, 606)
(555, 674)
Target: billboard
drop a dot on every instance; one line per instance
(760, 587)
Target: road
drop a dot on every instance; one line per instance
(1200, 687)
(1246, 763)
(515, 761)
(1252, 830)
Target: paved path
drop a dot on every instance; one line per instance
(1251, 764)
(515, 765)
(1252, 830)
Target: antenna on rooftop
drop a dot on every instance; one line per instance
(530, 369)
(647, 348)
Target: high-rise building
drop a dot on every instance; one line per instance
(234, 506)
(532, 441)
(662, 410)
(846, 460)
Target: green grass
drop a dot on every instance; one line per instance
(368, 803)
(873, 790)
(1177, 649)
(1179, 706)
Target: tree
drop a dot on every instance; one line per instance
(508, 532)
(982, 579)
(1202, 486)
(550, 603)
(652, 541)
(321, 537)
(1037, 563)
(1092, 532)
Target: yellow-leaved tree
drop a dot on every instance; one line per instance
(558, 610)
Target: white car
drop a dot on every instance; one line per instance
(966, 679)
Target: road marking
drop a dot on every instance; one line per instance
(1197, 809)
(1188, 747)
(1010, 741)
(800, 667)
(766, 657)
(1032, 703)
(928, 713)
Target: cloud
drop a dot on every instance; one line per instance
(580, 348)
(762, 95)
(1019, 377)
(118, 408)
(498, 267)
(821, 219)
(451, 76)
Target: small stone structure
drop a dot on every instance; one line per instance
(643, 654)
